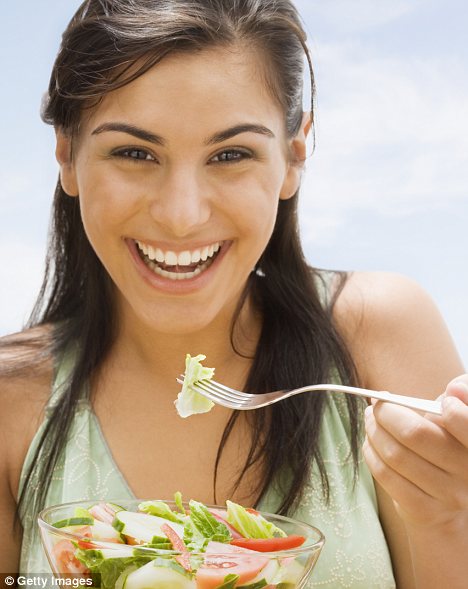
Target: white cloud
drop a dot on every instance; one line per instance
(392, 136)
(21, 273)
(357, 15)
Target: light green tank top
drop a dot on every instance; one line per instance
(355, 554)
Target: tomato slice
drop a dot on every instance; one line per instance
(269, 544)
(179, 545)
(224, 559)
(63, 555)
(85, 545)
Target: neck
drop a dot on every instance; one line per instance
(162, 355)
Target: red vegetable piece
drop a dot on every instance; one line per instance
(63, 556)
(179, 545)
(224, 559)
(269, 544)
(252, 511)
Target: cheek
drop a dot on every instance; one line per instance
(255, 204)
(105, 205)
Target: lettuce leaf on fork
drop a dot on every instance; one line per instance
(188, 401)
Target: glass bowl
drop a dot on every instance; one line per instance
(108, 563)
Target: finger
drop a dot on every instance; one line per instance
(409, 497)
(458, 388)
(425, 438)
(455, 418)
(431, 479)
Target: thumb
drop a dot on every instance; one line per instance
(458, 387)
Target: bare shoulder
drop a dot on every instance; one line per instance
(396, 334)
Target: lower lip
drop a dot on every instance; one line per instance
(168, 285)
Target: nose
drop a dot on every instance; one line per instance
(180, 201)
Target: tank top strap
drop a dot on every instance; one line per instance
(63, 369)
(325, 281)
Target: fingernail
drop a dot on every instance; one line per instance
(368, 411)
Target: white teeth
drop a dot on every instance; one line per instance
(159, 256)
(143, 247)
(174, 275)
(184, 259)
(170, 258)
(196, 257)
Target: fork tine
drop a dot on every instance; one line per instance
(216, 398)
(233, 393)
(220, 393)
(219, 389)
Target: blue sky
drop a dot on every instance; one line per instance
(387, 185)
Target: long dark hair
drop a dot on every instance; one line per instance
(107, 44)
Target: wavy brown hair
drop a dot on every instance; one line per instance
(107, 44)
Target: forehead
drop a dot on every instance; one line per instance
(213, 87)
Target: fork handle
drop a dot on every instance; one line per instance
(425, 405)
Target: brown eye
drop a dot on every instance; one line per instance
(231, 156)
(134, 154)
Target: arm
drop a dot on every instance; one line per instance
(10, 553)
(400, 343)
(24, 391)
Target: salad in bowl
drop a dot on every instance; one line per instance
(176, 545)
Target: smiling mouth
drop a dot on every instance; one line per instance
(178, 266)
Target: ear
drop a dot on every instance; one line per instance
(298, 152)
(63, 153)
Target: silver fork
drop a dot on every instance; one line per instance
(233, 399)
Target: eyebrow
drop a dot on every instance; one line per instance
(130, 130)
(158, 140)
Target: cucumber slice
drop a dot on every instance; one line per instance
(124, 552)
(74, 521)
(289, 573)
(103, 531)
(268, 573)
(150, 576)
(142, 526)
(122, 578)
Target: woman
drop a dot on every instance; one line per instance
(181, 139)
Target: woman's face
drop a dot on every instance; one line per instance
(179, 175)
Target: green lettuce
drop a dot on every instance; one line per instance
(251, 525)
(257, 585)
(106, 571)
(207, 524)
(179, 503)
(202, 527)
(188, 401)
(229, 582)
(161, 509)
